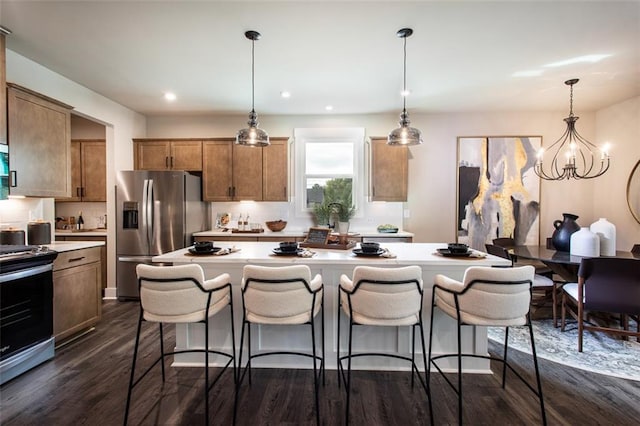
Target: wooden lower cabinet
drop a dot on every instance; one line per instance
(77, 292)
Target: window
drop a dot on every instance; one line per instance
(329, 167)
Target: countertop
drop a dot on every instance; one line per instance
(262, 253)
(296, 233)
(87, 233)
(62, 246)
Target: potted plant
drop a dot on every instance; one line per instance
(344, 212)
(322, 212)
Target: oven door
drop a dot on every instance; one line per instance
(26, 308)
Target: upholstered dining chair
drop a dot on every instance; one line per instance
(387, 297)
(486, 296)
(605, 284)
(180, 294)
(284, 296)
(541, 283)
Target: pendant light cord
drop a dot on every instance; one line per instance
(404, 90)
(253, 73)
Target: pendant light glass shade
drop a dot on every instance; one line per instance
(580, 157)
(405, 134)
(252, 135)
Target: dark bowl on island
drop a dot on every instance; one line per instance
(288, 246)
(369, 247)
(203, 245)
(458, 248)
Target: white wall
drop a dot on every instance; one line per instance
(619, 125)
(122, 124)
(432, 166)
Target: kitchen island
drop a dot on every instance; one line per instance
(331, 263)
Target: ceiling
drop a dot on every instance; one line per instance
(461, 57)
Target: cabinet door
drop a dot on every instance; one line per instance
(186, 155)
(77, 298)
(216, 171)
(39, 145)
(94, 171)
(389, 171)
(275, 170)
(3, 98)
(152, 155)
(76, 172)
(247, 173)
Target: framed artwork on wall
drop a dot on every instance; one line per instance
(498, 193)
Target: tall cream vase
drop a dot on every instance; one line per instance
(606, 231)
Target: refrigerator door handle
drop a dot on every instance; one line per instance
(150, 213)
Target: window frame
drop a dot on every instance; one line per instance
(355, 136)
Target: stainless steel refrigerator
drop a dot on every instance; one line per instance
(157, 212)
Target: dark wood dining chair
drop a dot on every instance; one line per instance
(544, 288)
(605, 284)
(541, 268)
(635, 249)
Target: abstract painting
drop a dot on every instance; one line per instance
(498, 191)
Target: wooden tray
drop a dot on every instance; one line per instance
(251, 231)
(337, 246)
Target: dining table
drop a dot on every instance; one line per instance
(562, 263)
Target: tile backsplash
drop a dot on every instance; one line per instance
(17, 212)
(92, 213)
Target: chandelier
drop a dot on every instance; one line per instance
(252, 136)
(580, 156)
(405, 134)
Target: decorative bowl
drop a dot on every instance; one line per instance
(276, 225)
(288, 246)
(370, 247)
(203, 245)
(458, 248)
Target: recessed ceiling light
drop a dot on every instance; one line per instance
(285, 94)
(329, 107)
(578, 60)
(168, 96)
(405, 92)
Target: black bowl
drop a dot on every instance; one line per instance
(288, 246)
(370, 247)
(458, 248)
(203, 245)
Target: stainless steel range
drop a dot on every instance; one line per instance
(26, 308)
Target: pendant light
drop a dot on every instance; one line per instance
(405, 134)
(578, 153)
(252, 136)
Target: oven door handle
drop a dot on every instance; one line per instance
(24, 273)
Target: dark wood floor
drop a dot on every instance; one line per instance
(86, 383)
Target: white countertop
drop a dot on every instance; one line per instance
(262, 252)
(91, 233)
(295, 233)
(62, 246)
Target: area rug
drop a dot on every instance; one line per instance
(601, 353)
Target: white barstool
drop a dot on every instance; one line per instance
(180, 294)
(282, 296)
(388, 297)
(486, 297)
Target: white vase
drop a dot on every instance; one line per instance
(343, 227)
(585, 243)
(606, 231)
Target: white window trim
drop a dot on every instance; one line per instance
(351, 135)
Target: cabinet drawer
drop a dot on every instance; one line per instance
(70, 259)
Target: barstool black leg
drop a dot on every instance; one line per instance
(539, 382)
(504, 357)
(133, 369)
(206, 370)
(348, 384)
(161, 350)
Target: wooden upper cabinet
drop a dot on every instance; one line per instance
(217, 173)
(161, 154)
(94, 170)
(275, 167)
(3, 98)
(389, 171)
(88, 170)
(247, 173)
(231, 172)
(39, 135)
